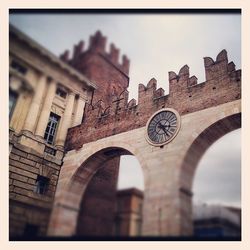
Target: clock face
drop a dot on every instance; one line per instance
(162, 127)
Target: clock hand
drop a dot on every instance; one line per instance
(163, 128)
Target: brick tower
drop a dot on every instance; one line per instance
(112, 80)
(101, 67)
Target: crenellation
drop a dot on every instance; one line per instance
(208, 61)
(141, 87)
(183, 73)
(214, 69)
(222, 56)
(146, 94)
(97, 42)
(114, 54)
(125, 64)
(114, 108)
(65, 56)
(132, 103)
(185, 95)
(78, 50)
(192, 81)
(172, 76)
(152, 84)
(159, 93)
(95, 110)
(101, 66)
(231, 67)
(124, 98)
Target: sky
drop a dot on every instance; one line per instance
(155, 45)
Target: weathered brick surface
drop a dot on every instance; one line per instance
(24, 168)
(102, 67)
(223, 84)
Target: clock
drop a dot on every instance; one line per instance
(162, 127)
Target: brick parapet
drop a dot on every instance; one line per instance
(97, 44)
(102, 67)
(222, 85)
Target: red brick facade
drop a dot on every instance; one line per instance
(101, 67)
(113, 114)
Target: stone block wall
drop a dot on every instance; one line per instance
(26, 207)
(167, 205)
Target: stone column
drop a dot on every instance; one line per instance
(44, 116)
(79, 111)
(32, 115)
(66, 120)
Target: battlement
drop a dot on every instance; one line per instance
(222, 85)
(97, 44)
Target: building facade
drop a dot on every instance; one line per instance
(216, 221)
(128, 221)
(46, 97)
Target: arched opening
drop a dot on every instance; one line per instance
(192, 158)
(104, 210)
(217, 189)
(221, 167)
(130, 197)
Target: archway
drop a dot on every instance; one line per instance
(217, 189)
(168, 172)
(218, 174)
(195, 152)
(89, 200)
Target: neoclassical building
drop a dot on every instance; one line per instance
(46, 97)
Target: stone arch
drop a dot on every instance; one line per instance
(192, 157)
(203, 141)
(72, 188)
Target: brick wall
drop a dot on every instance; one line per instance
(222, 85)
(101, 67)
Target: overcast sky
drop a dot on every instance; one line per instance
(157, 44)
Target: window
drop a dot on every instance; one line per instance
(12, 102)
(61, 93)
(30, 230)
(42, 183)
(50, 150)
(50, 131)
(18, 67)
